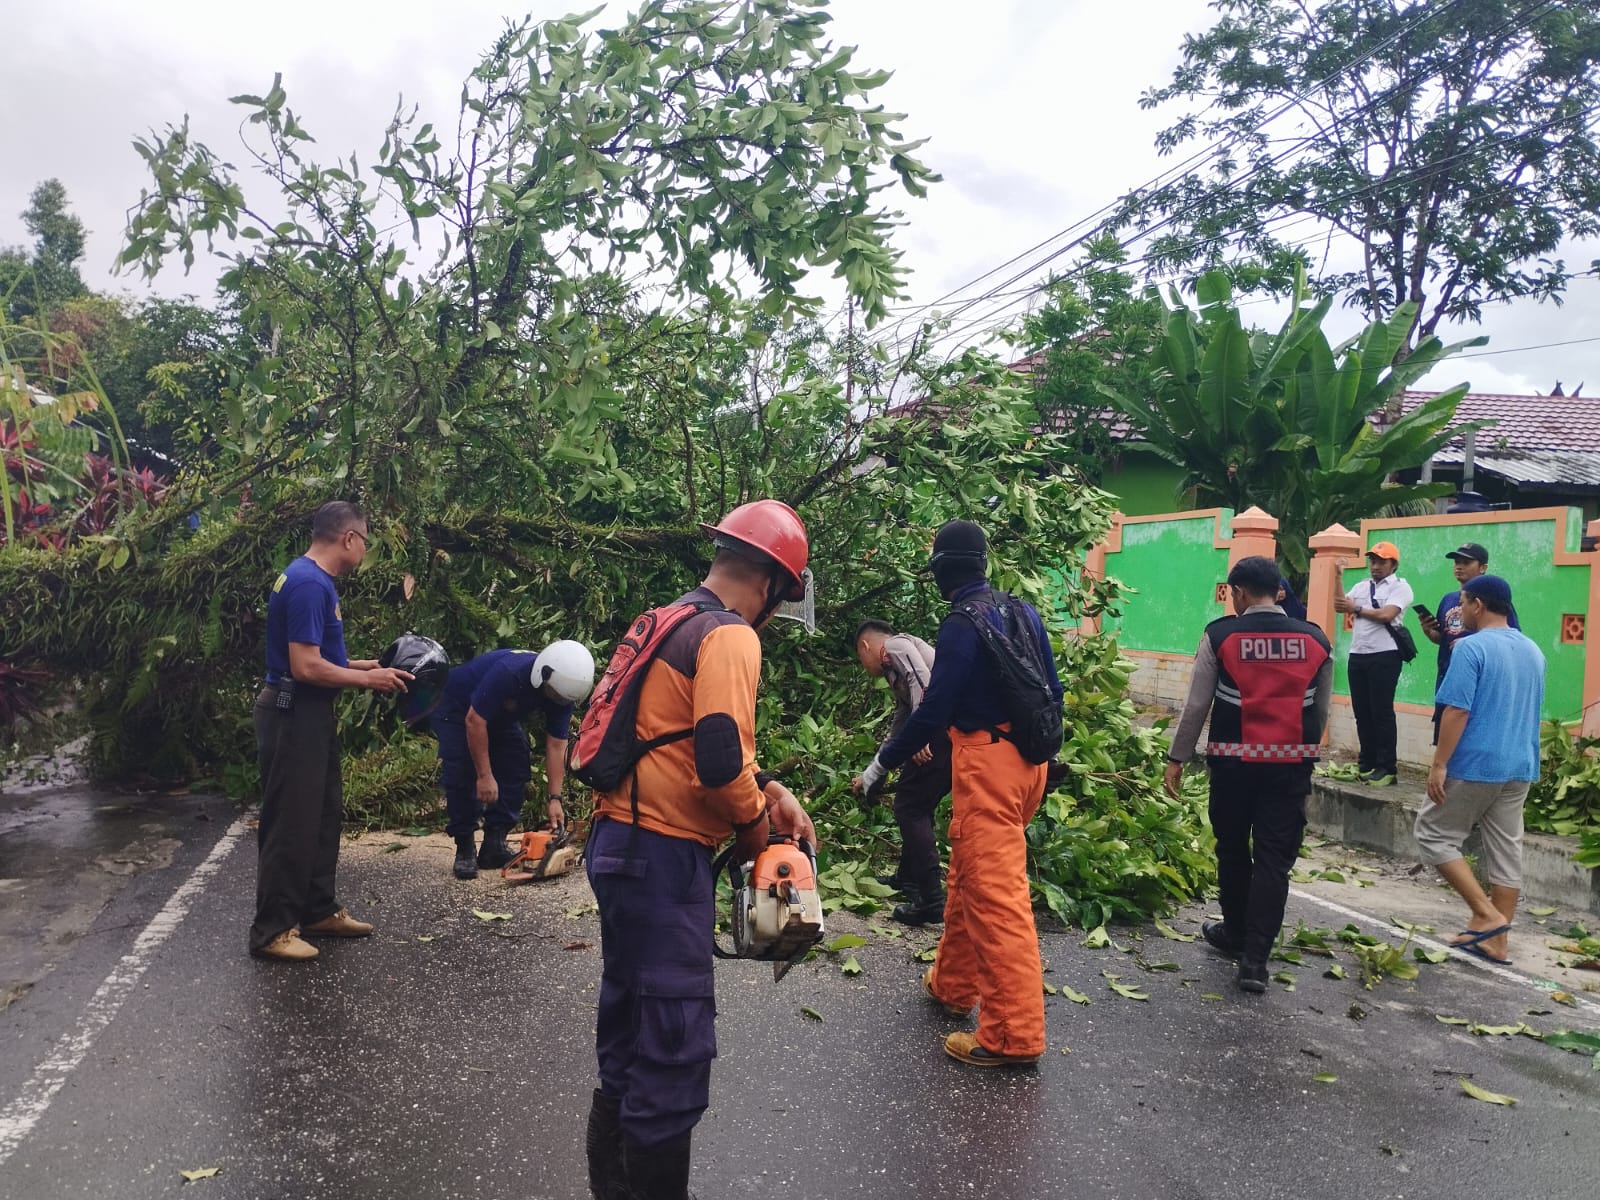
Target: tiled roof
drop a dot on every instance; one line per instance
(1526, 439)
(1524, 423)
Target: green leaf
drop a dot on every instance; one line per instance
(484, 915)
(1098, 939)
(845, 941)
(199, 1173)
(1443, 1020)
(1325, 1077)
(1074, 995)
(1542, 910)
(810, 1013)
(1488, 1097)
(1168, 931)
(1429, 956)
(850, 966)
(1335, 972)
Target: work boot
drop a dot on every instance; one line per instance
(287, 947)
(954, 1010)
(891, 881)
(607, 1172)
(340, 924)
(1216, 936)
(965, 1047)
(660, 1172)
(920, 908)
(496, 852)
(1252, 976)
(466, 864)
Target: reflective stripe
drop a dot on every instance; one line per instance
(1262, 750)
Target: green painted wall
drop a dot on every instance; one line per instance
(1171, 568)
(1145, 484)
(1521, 552)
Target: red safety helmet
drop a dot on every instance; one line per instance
(768, 531)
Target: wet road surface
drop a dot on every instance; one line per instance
(449, 1056)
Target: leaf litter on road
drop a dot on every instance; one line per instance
(1484, 1094)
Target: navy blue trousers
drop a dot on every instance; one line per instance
(510, 760)
(655, 1030)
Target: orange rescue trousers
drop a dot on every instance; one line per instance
(989, 954)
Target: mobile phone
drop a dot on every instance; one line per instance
(1422, 610)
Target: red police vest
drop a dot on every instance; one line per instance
(1264, 707)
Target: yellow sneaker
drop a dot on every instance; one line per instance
(340, 924)
(287, 947)
(965, 1048)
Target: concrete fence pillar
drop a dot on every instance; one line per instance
(1254, 532)
(1591, 645)
(1329, 550)
(1094, 567)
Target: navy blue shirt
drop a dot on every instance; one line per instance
(963, 690)
(1451, 630)
(498, 686)
(303, 607)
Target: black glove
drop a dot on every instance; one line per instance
(1055, 774)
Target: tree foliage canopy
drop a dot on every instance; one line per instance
(1453, 141)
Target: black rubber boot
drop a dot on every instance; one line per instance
(922, 907)
(607, 1172)
(495, 853)
(660, 1172)
(466, 864)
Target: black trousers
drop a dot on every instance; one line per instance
(1373, 679)
(1258, 813)
(302, 805)
(916, 798)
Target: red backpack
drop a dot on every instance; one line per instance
(608, 746)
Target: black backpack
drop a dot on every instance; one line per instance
(1030, 704)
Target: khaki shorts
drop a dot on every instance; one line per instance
(1495, 808)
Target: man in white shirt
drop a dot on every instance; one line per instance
(1374, 664)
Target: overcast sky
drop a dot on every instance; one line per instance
(1030, 107)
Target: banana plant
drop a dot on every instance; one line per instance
(1288, 421)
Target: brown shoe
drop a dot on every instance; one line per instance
(955, 1010)
(340, 924)
(287, 947)
(965, 1047)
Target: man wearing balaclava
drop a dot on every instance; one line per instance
(989, 954)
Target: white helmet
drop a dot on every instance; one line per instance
(568, 668)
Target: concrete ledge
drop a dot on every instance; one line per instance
(1381, 819)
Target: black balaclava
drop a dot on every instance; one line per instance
(960, 556)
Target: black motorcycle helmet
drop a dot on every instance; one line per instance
(429, 665)
(960, 556)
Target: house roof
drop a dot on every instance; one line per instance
(1526, 423)
(1531, 441)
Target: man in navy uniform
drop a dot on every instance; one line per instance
(483, 743)
(1266, 680)
(297, 739)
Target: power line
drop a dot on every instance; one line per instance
(1528, 16)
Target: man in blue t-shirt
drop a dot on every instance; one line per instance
(1445, 629)
(297, 741)
(1486, 759)
(484, 751)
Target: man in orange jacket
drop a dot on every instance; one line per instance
(649, 856)
(989, 954)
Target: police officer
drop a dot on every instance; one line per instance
(484, 752)
(297, 739)
(650, 850)
(1266, 680)
(989, 954)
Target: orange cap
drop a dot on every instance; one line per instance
(1385, 550)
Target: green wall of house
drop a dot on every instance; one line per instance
(1145, 484)
(1171, 570)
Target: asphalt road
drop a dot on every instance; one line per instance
(449, 1056)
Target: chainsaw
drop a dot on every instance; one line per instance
(777, 911)
(544, 854)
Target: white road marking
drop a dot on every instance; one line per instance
(1518, 977)
(19, 1117)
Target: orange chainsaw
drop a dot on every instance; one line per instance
(544, 854)
(777, 911)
